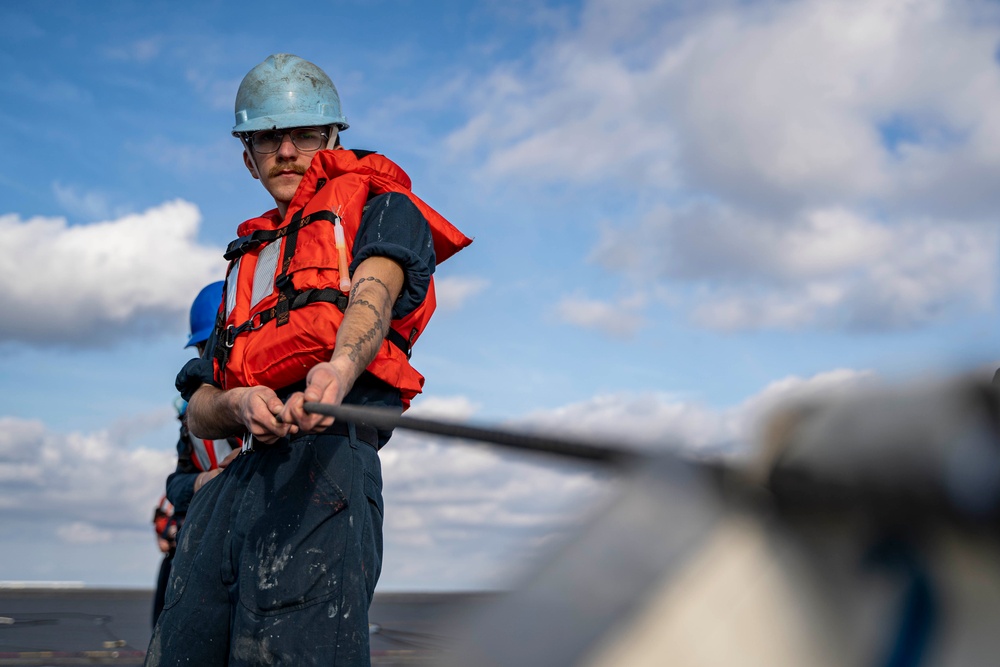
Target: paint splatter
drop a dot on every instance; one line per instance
(253, 651)
(271, 562)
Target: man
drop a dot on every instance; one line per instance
(278, 558)
(198, 460)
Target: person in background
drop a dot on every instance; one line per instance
(198, 460)
(166, 539)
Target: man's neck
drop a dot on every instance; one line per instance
(282, 207)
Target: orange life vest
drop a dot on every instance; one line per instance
(283, 304)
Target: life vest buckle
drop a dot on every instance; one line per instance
(255, 322)
(253, 325)
(241, 246)
(229, 336)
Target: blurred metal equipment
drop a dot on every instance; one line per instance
(865, 533)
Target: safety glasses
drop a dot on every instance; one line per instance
(303, 138)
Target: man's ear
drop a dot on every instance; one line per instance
(250, 165)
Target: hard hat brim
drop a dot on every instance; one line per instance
(285, 121)
(199, 336)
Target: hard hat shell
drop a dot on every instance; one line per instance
(203, 312)
(286, 91)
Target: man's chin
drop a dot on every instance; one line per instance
(283, 192)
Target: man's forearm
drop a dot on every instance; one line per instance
(377, 285)
(211, 414)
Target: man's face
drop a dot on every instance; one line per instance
(280, 161)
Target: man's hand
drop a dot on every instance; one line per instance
(258, 409)
(214, 413)
(324, 383)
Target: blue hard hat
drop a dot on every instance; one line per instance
(203, 313)
(286, 91)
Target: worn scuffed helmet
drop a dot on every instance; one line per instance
(286, 91)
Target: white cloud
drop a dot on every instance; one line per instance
(616, 320)
(90, 284)
(814, 163)
(771, 103)
(453, 291)
(748, 418)
(443, 407)
(450, 502)
(824, 268)
(81, 532)
(79, 505)
(463, 515)
(87, 487)
(89, 205)
(836, 100)
(667, 422)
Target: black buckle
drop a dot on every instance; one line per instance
(230, 333)
(241, 246)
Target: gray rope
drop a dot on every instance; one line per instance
(387, 419)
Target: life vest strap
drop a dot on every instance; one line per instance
(254, 240)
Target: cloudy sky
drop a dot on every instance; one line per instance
(682, 211)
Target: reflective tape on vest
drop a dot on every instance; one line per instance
(263, 275)
(207, 454)
(231, 280)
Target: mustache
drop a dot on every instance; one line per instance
(279, 168)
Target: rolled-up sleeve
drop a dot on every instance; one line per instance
(393, 227)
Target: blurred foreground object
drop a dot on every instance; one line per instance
(864, 534)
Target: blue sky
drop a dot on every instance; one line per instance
(683, 212)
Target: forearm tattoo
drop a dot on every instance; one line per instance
(368, 342)
(366, 345)
(357, 286)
